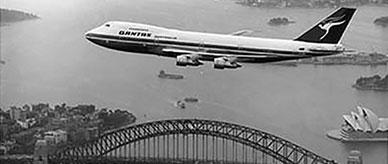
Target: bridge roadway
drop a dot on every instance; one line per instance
(187, 141)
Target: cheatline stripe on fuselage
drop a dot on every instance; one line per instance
(222, 49)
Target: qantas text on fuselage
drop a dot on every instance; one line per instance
(224, 50)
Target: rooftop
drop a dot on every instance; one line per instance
(365, 120)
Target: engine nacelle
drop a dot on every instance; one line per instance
(225, 62)
(185, 60)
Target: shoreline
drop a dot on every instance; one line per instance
(375, 83)
(266, 6)
(9, 16)
(336, 135)
(369, 88)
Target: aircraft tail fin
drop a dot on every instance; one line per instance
(331, 29)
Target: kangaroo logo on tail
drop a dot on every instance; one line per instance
(331, 29)
(328, 23)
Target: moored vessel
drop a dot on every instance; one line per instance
(164, 75)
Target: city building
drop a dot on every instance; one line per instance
(3, 150)
(40, 152)
(92, 133)
(27, 123)
(6, 146)
(55, 137)
(15, 113)
(5, 124)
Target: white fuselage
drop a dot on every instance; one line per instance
(135, 37)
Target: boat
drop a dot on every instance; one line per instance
(180, 104)
(383, 21)
(191, 99)
(286, 63)
(361, 126)
(164, 75)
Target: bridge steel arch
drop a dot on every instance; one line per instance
(277, 147)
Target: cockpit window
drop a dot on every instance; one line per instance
(107, 25)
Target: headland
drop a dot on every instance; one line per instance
(11, 16)
(59, 125)
(382, 21)
(375, 82)
(306, 3)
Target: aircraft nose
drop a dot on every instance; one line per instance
(89, 34)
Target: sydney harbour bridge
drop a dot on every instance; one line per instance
(187, 141)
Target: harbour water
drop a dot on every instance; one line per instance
(49, 60)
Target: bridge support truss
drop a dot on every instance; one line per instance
(188, 141)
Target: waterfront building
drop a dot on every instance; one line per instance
(363, 125)
(354, 157)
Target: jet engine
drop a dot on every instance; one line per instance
(225, 62)
(185, 60)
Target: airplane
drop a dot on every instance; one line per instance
(224, 50)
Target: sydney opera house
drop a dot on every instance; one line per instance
(362, 126)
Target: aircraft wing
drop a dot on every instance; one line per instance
(177, 51)
(202, 54)
(208, 56)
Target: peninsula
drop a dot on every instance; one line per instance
(372, 83)
(280, 21)
(10, 16)
(59, 125)
(306, 3)
(382, 21)
(358, 58)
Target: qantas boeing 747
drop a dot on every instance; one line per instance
(226, 51)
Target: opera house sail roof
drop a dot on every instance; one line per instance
(365, 120)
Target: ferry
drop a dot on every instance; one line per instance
(361, 126)
(164, 75)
